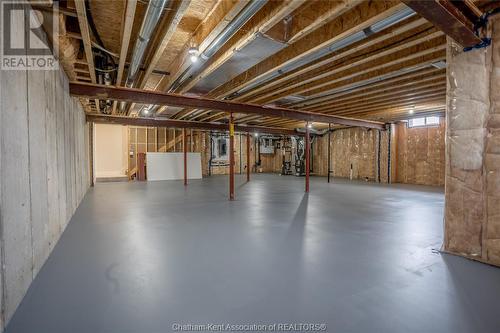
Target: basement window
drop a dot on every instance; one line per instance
(423, 122)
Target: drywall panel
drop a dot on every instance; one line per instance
(110, 150)
(170, 166)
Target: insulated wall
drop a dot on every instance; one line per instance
(353, 151)
(472, 213)
(43, 173)
(417, 154)
(420, 154)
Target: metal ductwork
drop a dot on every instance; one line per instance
(337, 45)
(149, 23)
(243, 16)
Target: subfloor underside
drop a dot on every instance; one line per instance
(358, 257)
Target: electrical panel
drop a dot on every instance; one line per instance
(266, 145)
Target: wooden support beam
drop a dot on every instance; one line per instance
(308, 18)
(172, 123)
(260, 23)
(406, 28)
(127, 25)
(379, 67)
(448, 18)
(387, 97)
(87, 44)
(391, 60)
(354, 20)
(272, 11)
(84, 31)
(51, 9)
(416, 78)
(354, 85)
(394, 70)
(407, 50)
(128, 22)
(214, 23)
(380, 104)
(158, 98)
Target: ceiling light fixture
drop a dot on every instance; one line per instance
(412, 110)
(310, 126)
(146, 109)
(193, 53)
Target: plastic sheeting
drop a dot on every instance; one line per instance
(472, 212)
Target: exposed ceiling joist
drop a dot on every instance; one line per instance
(158, 98)
(87, 43)
(345, 24)
(390, 84)
(85, 33)
(356, 19)
(128, 22)
(447, 17)
(168, 26)
(343, 70)
(173, 123)
(406, 27)
(396, 69)
(364, 82)
(272, 11)
(370, 71)
(300, 21)
(214, 23)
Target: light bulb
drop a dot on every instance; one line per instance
(256, 134)
(411, 111)
(193, 53)
(309, 126)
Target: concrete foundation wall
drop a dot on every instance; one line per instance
(43, 172)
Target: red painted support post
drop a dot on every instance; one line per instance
(184, 147)
(231, 157)
(248, 157)
(308, 153)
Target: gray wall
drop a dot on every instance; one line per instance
(43, 174)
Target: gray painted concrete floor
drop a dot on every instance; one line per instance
(140, 257)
